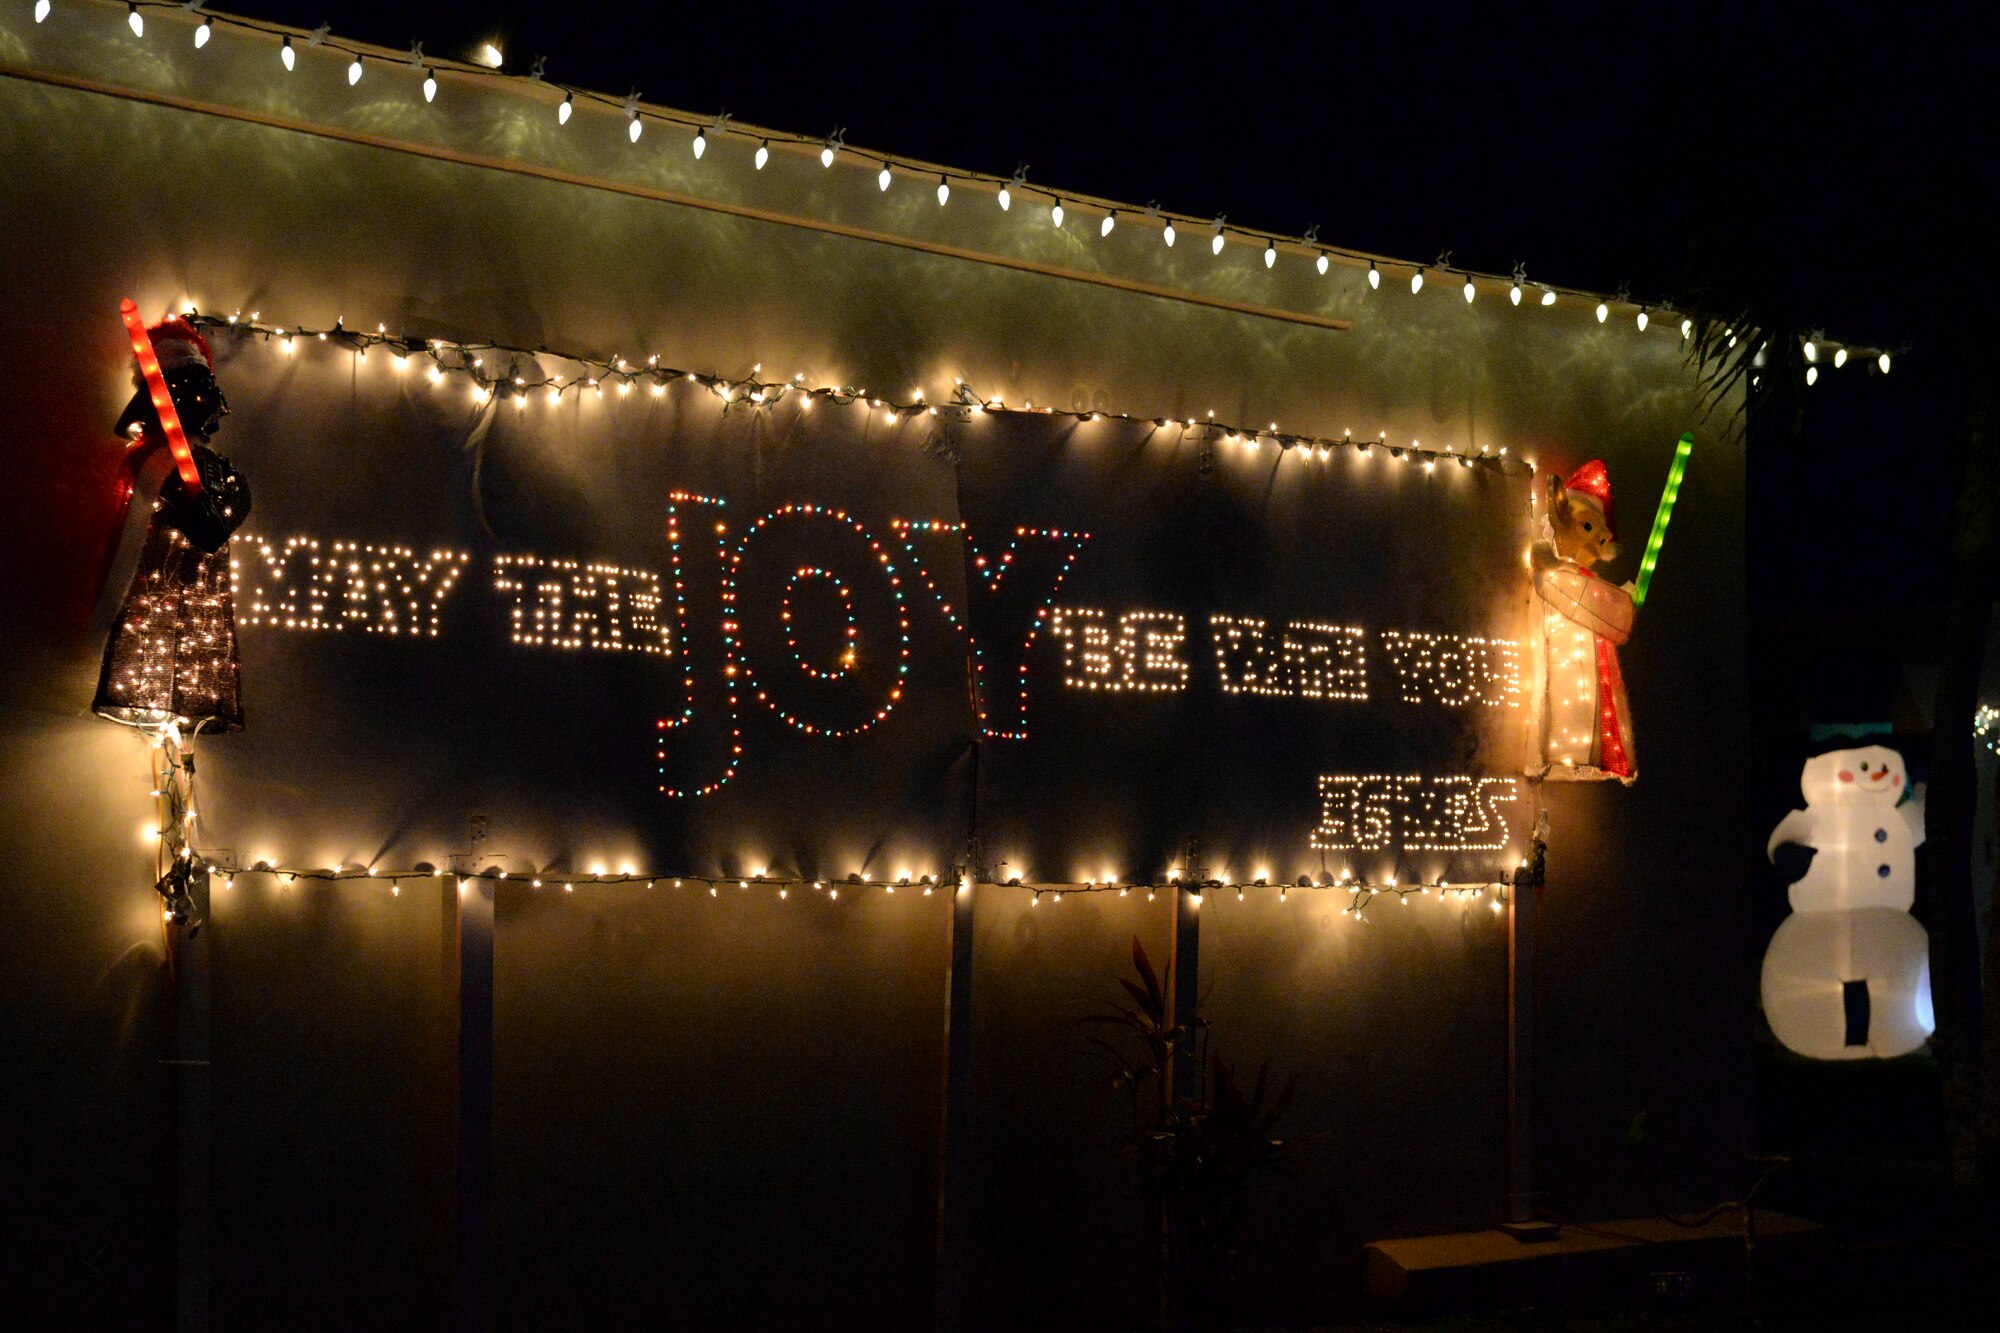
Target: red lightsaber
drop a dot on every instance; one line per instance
(163, 402)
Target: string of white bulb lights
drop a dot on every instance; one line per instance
(1360, 892)
(180, 860)
(1986, 726)
(1059, 207)
(496, 372)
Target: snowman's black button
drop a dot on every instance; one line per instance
(1881, 835)
(1882, 871)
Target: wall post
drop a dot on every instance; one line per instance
(192, 1007)
(955, 1150)
(475, 1104)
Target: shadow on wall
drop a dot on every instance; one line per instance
(86, 1207)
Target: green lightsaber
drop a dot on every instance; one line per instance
(1658, 537)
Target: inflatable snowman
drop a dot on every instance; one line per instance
(1847, 976)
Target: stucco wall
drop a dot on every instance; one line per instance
(733, 1115)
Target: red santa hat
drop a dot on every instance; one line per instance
(177, 343)
(1592, 484)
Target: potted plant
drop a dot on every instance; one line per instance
(1199, 1136)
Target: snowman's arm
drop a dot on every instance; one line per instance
(1796, 826)
(1912, 811)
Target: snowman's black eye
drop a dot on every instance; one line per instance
(1864, 766)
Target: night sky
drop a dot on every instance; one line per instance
(1836, 164)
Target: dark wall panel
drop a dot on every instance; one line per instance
(716, 1112)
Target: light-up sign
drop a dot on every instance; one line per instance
(732, 650)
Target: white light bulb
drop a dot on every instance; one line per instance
(763, 154)
(1270, 254)
(1811, 350)
(1839, 357)
(1322, 264)
(1374, 277)
(1110, 221)
(1687, 327)
(1416, 282)
(1006, 199)
(354, 72)
(1215, 246)
(700, 143)
(1883, 362)
(826, 156)
(41, 10)
(635, 129)
(568, 106)
(1469, 291)
(1643, 321)
(943, 192)
(1812, 374)
(1603, 312)
(882, 179)
(135, 20)
(202, 34)
(1167, 235)
(430, 86)
(1514, 293)
(1056, 213)
(1548, 296)
(286, 54)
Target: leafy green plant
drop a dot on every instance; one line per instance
(1199, 1135)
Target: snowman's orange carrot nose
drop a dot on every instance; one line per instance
(163, 402)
